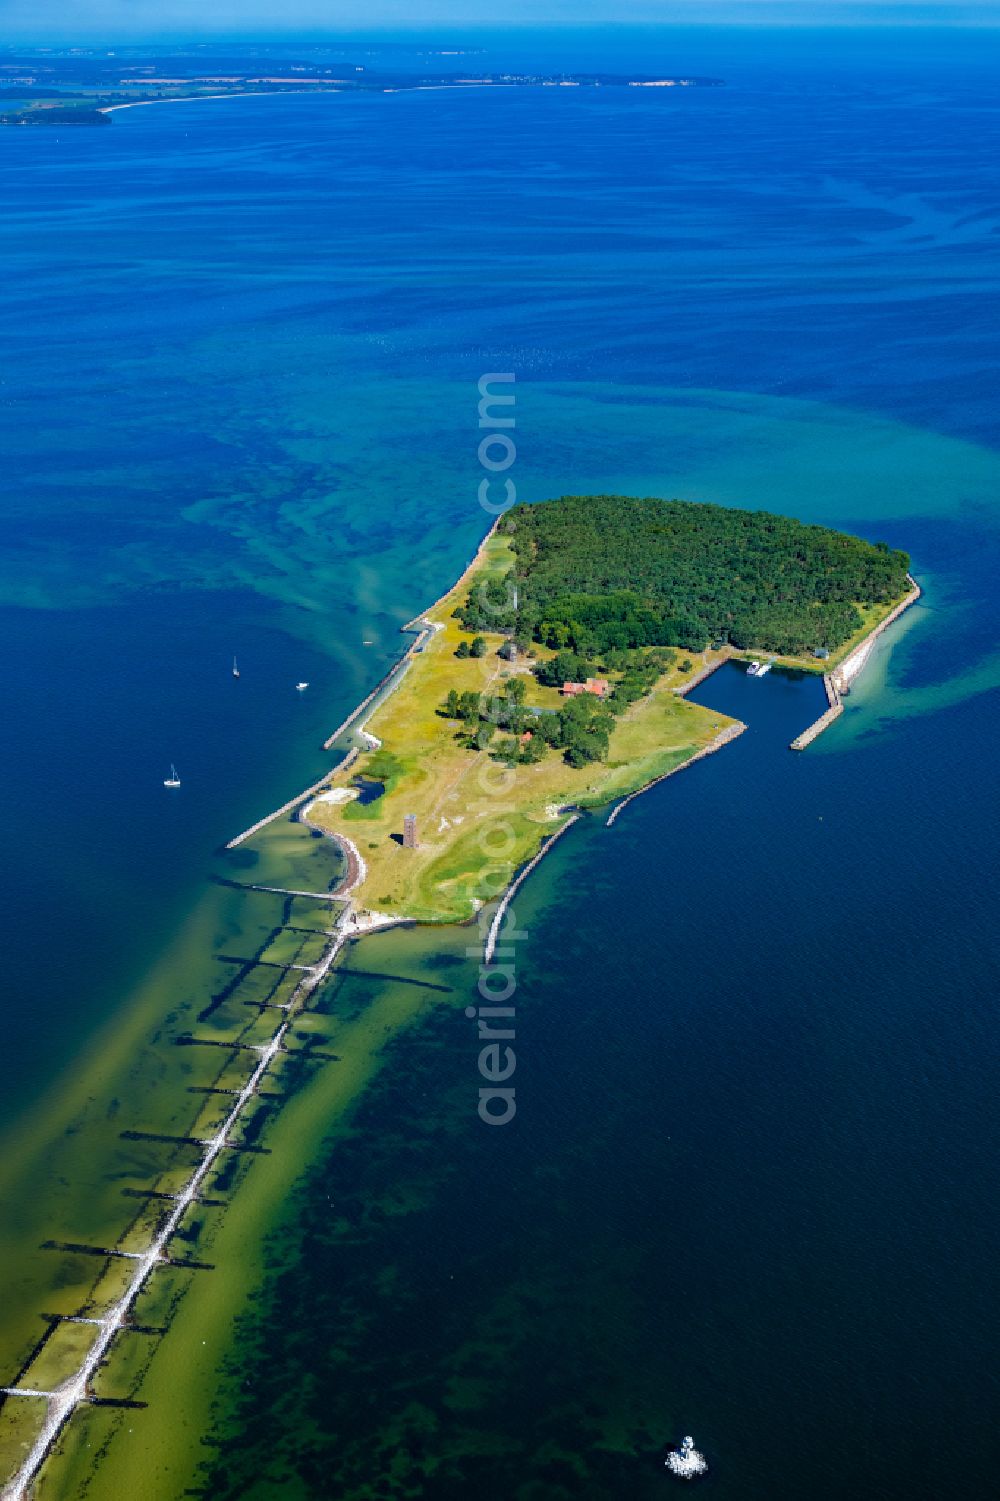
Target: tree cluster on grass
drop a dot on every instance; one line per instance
(582, 727)
(564, 667)
(464, 706)
(477, 647)
(518, 752)
(640, 674)
(506, 711)
(581, 730)
(608, 573)
(585, 730)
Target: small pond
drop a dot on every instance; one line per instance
(368, 789)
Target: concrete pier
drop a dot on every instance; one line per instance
(839, 680)
(834, 711)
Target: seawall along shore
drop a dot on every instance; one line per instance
(731, 732)
(836, 708)
(838, 682)
(293, 802)
(703, 672)
(421, 619)
(390, 680)
(489, 948)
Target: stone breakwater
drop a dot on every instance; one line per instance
(387, 683)
(838, 682)
(489, 947)
(359, 709)
(389, 680)
(702, 674)
(834, 711)
(731, 732)
(421, 619)
(293, 802)
(851, 666)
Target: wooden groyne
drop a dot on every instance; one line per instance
(315, 896)
(838, 682)
(723, 738)
(489, 948)
(63, 1400)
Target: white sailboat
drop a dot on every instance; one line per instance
(173, 780)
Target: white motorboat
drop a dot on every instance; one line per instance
(685, 1460)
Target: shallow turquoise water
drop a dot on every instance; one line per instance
(240, 415)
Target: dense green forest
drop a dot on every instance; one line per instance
(608, 572)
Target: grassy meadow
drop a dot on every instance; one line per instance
(477, 820)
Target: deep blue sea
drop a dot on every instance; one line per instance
(750, 1189)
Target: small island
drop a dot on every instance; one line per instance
(552, 678)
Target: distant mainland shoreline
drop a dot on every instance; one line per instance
(76, 88)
